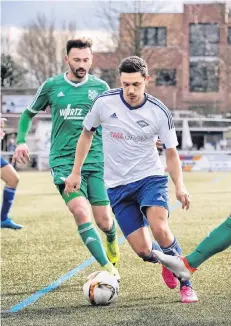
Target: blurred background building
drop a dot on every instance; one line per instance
(188, 54)
(189, 59)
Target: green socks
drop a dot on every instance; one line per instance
(111, 235)
(92, 241)
(218, 240)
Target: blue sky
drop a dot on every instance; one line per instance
(18, 13)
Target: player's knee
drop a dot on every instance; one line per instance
(143, 252)
(104, 222)
(80, 214)
(17, 179)
(160, 229)
(13, 181)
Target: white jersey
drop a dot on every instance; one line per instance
(129, 136)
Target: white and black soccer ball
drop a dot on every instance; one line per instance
(101, 288)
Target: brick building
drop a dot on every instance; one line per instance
(188, 54)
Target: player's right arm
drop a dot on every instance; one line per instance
(90, 124)
(40, 102)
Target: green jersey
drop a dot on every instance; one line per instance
(69, 103)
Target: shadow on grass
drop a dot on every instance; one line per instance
(63, 288)
(51, 311)
(36, 194)
(137, 304)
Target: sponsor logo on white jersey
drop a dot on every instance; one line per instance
(142, 123)
(117, 135)
(71, 114)
(92, 94)
(128, 137)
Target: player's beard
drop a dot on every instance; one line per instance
(79, 73)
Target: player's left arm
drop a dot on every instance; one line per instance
(167, 134)
(90, 124)
(175, 171)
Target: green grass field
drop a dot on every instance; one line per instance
(48, 248)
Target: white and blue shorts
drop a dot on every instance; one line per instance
(130, 202)
(4, 162)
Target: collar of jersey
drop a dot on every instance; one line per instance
(129, 106)
(75, 84)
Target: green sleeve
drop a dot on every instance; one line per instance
(40, 102)
(24, 126)
(41, 99)
(106, 87)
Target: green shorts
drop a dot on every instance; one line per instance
(92, 183)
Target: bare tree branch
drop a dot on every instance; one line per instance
(6, 42)
(42, 47)
(207, 72)
(124, 21)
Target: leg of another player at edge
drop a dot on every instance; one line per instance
(11, 179)
(80, 209)
(217, 240)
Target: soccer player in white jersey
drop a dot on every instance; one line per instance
(131, 122)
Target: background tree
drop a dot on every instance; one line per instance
(11, 73)
(6, 41)
(42, 47)
(134, 30)
(125, 22)
(113, 15)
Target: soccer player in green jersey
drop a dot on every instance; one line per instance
(70, 95)
(183, 267)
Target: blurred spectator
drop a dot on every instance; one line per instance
(34, 163)
(223, 144)
(11, 144)
(11, 147)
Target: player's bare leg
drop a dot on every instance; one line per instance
(141, 242)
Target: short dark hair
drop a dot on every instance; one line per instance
(134, 64)
(80, 43)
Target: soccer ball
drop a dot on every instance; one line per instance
(101, 288)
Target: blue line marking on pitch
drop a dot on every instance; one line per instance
(175, 206)
(34, 297)
(218, 179)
